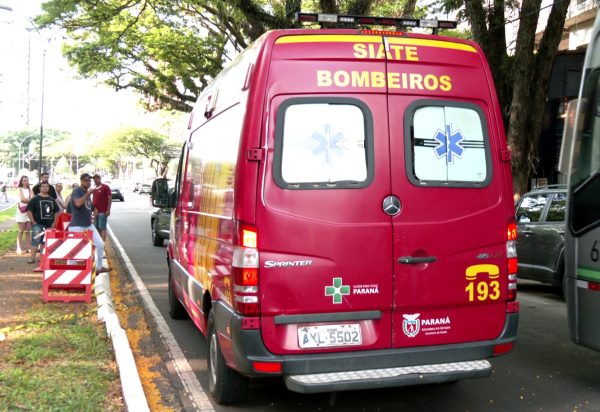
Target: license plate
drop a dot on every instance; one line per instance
(329, 335)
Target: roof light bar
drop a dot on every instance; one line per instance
(377, 21)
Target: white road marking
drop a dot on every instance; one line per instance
(184, 371)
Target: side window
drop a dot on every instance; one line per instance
(179, 177)
(585, 169)
(212, 162)
(323, 143)
(531, 208)
(447, 145)
(556, 210)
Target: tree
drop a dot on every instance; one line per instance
(19, 145)
(168, 51)
(139, 142)
(522, 78)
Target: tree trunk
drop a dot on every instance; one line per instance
(408, 10)
(519, 138)
(528, 107)
(493, 43)
(541, 79)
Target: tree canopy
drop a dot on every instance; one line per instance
(20, 148)
(121, 145)
(168, 51)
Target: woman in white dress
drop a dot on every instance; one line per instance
(24, 232)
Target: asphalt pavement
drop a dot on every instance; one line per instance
(545, 371)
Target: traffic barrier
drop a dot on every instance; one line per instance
(62, 221)
(68, 264)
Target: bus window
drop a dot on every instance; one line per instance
(581, 147)
(585, 167)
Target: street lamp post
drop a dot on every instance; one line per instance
(8, 8)
(22, 162)
(42, 110)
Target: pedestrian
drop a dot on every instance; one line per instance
(59, 198)
(44, 179)
(3, 191)
(42, 210)
(22, 218)
(81, 209)
(68, 198)
(102, 201)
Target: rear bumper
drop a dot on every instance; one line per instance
(361, 369)
(387, 377)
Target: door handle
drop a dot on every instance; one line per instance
(409, 260)
(527, 232)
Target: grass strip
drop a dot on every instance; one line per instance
(8, 213)
(67, 366)
(8, 239)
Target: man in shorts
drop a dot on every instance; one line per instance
(102, 201)
(80, 206)
(42, 210)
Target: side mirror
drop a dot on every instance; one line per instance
(160, 193)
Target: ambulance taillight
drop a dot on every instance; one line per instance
(244, 270)
(511, 260)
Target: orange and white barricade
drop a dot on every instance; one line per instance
(67, 264)
(62, 221)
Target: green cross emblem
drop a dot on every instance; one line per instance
(337, 290)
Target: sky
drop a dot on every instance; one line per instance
(84, 107)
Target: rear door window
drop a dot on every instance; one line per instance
(531, 208)
(448, 145)
(556, 210)
(323, 143)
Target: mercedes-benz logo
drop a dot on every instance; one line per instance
(391, 205)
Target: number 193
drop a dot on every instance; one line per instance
(483, 290)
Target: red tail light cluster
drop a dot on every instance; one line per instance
(245, 272)
(511, 259)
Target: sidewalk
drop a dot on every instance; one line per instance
(21, 289)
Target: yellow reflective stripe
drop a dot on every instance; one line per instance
(328, 38)
(344, 38)
(432, 43)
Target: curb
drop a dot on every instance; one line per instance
(133, 393)
(197, 398)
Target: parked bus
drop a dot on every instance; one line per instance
(580, 157)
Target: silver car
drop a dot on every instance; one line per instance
(160, 220)
(540, 216)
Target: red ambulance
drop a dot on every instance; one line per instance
(343, 213)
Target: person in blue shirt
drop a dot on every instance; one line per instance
(81, 209)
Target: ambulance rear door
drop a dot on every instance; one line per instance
(449, 218)
(326, 279)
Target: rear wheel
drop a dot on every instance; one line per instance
(176, 309)
(224, 384)
(157, 240)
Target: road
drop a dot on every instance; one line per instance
(545, 372)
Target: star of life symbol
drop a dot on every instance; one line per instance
(337, 290)
(449, 144)
(411, 325)
(328, 143)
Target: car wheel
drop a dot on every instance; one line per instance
(157, 240)
(176, 309)
(224, 384)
